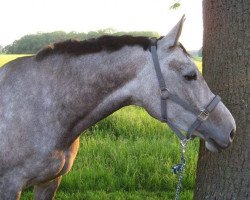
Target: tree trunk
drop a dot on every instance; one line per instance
(226, 67)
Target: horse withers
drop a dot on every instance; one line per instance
(49, 99)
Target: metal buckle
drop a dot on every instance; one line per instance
(203, 115)
(164, 93)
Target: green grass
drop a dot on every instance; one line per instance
(126, 156)
(6, 58)
(198, 62)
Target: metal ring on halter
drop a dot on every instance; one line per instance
(203, 115)
(164, 93)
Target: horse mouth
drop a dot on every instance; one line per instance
(210, 143)
(213, 146)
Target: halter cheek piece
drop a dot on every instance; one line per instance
(165, 94)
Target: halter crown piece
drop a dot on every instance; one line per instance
(165, 95)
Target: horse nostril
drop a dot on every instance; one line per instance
(231, 137)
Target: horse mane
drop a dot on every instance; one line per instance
(93, 45)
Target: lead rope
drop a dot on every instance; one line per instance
(179, 168)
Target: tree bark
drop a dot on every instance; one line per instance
(226, 68)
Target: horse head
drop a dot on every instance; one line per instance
(183, 79)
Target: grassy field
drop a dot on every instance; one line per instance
(127, 156)
(6, 58)
(198, 62)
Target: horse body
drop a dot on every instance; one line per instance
(46, 105)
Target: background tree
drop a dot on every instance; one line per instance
(200, 52)
(1, 48)
(226, 67)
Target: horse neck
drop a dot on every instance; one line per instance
(100, 84)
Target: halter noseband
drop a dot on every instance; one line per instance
(165, 94)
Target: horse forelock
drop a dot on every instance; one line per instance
(93, 45)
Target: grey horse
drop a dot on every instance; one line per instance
(49, 99)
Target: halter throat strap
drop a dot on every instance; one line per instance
(165, 94)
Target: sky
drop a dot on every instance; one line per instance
(19, 18)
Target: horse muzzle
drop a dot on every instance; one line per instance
(218, 145)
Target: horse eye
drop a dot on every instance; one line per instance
(191, 76)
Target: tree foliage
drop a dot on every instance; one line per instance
(200, 52)
(175, 6)
(30, 44)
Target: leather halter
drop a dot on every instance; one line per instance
(165, 94)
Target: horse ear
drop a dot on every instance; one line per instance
(173, 36)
